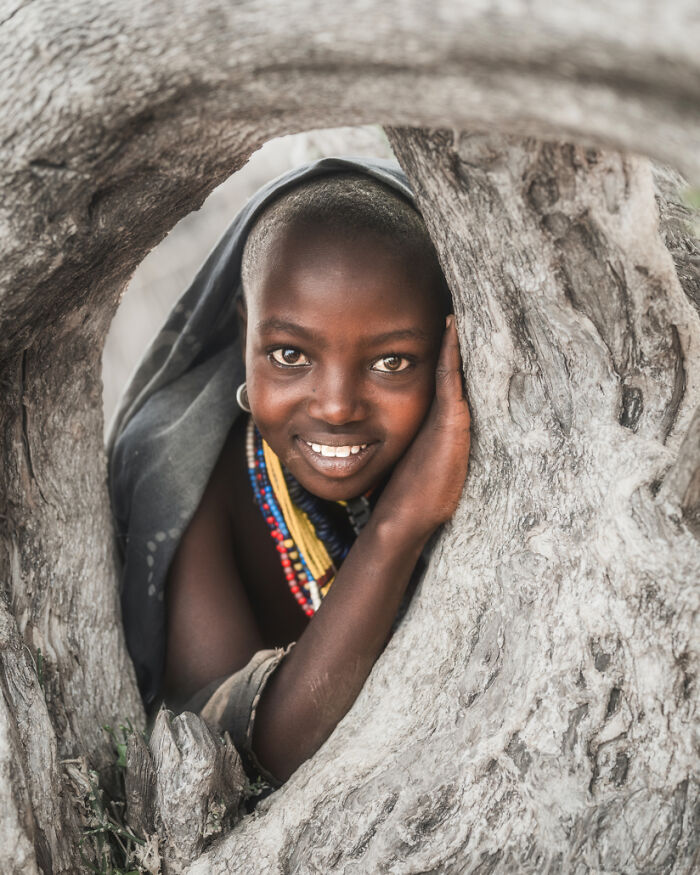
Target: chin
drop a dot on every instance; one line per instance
(333, 489)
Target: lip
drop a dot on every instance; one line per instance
(336, 466)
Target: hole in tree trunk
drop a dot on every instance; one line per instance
(168, 269)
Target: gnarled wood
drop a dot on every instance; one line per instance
(119, 119)
(185, 787)
(681, 485)
(548, 660)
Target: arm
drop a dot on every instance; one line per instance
(320, 679)
(212, 631)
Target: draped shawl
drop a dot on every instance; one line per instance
(175, 414)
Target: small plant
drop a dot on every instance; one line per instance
(254, 792)
(116, 850)
(256, 787)
(120, 744)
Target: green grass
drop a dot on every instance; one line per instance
(107, 845)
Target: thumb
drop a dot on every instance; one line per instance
(448, 373)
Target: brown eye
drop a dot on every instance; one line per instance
(389, 364)
(288, 356)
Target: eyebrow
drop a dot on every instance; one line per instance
(275, 324)
(401, 334)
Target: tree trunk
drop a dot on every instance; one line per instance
(534, 711)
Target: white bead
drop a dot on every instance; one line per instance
(315, 595)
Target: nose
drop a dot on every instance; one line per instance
(337, 397)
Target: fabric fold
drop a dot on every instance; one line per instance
(175, 416)
(230, 705)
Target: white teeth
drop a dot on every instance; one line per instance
(336, 452)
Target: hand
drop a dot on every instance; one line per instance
(426, 485)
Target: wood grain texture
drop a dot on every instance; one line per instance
(185, 787)
(561, 590)
(535, 712)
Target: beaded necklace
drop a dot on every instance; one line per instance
(305, 539)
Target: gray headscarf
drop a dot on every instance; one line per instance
(174, 417)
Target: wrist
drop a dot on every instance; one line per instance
(398, 531)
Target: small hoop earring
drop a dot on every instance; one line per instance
(242, 397)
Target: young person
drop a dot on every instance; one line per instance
(266, 554)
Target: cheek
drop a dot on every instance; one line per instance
(404, 413)
(398, 413)
(270, 401)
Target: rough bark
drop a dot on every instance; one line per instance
(185, 786)
(535, 708)
(547, 667)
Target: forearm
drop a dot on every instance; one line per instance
(322, 676)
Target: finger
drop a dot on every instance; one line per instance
(448, 373)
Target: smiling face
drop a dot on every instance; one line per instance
(341, 341)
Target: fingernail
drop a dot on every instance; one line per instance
(449, 321)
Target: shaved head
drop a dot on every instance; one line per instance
(351, 205)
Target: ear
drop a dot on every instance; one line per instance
(242, 314)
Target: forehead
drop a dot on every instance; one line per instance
(326, 274)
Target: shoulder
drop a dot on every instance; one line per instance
(229, 474)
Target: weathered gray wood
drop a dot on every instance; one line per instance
(139, 109)
(140, 787)
(120, 118)
(680, 229)
(535, 713)
(37, 823)
(681, 485)
(184, 788)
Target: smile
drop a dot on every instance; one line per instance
(333, 460)
(336, 452)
